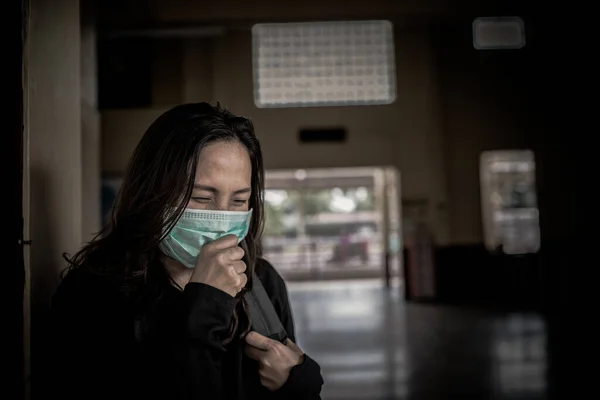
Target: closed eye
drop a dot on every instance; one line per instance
(202, 199)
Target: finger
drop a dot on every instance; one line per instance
(297, 350)
(259, 341)
(266, 380)
(234, 253)
(242, 280)
(223, 243)
(289, 343)
(269, 384)
(254, 353)
(236, 281)
(239, 266)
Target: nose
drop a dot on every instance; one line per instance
(217, 207)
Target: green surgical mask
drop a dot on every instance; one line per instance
(196, 228)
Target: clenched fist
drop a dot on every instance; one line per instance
(220, 265)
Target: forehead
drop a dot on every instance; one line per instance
(224, 164)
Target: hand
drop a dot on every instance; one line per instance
(275, 360)
(220, 265)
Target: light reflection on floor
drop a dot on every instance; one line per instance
(372, 346)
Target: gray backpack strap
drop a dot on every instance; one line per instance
(263, 317)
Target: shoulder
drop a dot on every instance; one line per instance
(80, 288)
(81, 280)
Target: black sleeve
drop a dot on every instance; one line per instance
(305, 380)
(93, 352)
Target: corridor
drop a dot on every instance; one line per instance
(373, 346)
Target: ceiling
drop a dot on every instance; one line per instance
(201, 17)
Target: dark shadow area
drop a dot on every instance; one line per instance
(471, 275)
(44, 280)
(13, 351)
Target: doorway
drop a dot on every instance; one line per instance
(338, 223)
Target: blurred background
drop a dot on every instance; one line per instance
(418, 199)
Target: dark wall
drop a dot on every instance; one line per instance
(566, 175)
(530, 98)
(490, 100)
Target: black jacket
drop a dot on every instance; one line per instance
(102, 348)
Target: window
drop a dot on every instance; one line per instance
(323, 64)
(509, 202)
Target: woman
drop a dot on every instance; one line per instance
(155, 306)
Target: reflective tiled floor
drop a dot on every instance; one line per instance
(372, 346)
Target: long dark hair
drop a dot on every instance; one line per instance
(160, 178)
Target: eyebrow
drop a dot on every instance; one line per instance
(214, 190)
